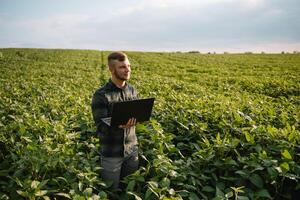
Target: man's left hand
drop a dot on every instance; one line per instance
(131, 122)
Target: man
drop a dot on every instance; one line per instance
(118, 145)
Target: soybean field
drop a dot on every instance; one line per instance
(224, 126)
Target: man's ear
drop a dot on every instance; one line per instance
(111, 68)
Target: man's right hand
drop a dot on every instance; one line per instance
(131, 122)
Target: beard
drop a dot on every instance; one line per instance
(121, 76)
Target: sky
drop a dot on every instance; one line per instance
(152, 25)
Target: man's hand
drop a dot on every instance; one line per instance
(131, 122)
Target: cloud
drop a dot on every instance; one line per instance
(55, 25)
(165, 25)
(250, 4)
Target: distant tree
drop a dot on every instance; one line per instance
(248, 52)
(193, 52)
(263, 52)
(208, 53)
(296, 52)
(226, 52)
(282, 52)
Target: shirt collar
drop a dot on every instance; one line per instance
(113, 86)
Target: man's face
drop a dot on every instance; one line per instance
(121, 69)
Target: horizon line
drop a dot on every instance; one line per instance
(165, 51)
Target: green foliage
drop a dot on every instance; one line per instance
(223, 126)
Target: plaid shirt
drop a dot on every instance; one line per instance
(114, 141)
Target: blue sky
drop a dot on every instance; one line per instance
(152, 25)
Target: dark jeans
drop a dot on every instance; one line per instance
(115, 169)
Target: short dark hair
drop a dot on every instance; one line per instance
(120, 56)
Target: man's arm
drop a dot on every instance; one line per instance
(100, 110)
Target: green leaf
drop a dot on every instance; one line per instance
(4, 172)
(292, 136)
(46, 198)
(285, 167)
(218, 138)
(291, 176)
(263, 193)
(242, 173)
(242, 198)
(88, 192)
(193, 196)
(238, 189)
(41, 193)
(152, 190)
(18, 182)
(286, 154)
(218, 198)
(229, 194)
(165, 182)
(148, 193)
(43, 183)
(208, 189)
(140, 179)
(27, 139)
(272, 172)
(153, 184)
(135, 195)
(249, 137)
(34, 184)
(173, 173)
(130, 185)
(102, 195)
(22, 193)
(80, 186)
(22, 129)
(63, 195)
(144, 158)
(62, 178)
(278, 169)
(219, 192)
(256, 180)
(172, 192)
